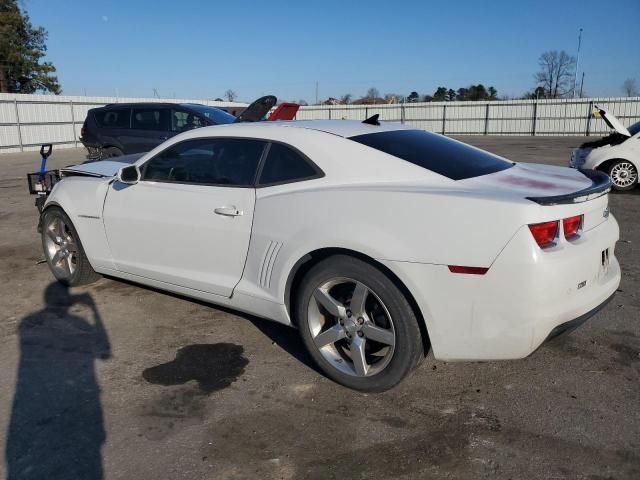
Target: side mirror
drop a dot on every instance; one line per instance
(129, 175)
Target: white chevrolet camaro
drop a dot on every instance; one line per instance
(378, 242)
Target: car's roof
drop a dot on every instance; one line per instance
(156, 104)
(341, 128)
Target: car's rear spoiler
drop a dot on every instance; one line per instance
(601, 185)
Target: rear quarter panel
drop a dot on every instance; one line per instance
(434, 226)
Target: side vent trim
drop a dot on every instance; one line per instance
(268, 261)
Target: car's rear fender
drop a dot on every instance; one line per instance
(508, 312)
(411, 226)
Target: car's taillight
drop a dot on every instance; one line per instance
(82, 132)
(545, 233)
(571, 226)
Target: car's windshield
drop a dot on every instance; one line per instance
(216, 115)
(635, 128)
(436, 153)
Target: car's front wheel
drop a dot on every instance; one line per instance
(623, 174)
(357, 325)
(63, 249)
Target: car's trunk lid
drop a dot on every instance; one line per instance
(550, 186)
(539, 182)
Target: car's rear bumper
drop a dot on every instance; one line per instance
(526, 295)
(571, 325)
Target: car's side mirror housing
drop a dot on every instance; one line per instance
(129, 175)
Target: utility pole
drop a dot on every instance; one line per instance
(575, 74)
(316, 92)
(581, 84)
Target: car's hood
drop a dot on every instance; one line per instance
(102, 168)
(611, 120)
(526, 180)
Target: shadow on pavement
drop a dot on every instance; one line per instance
(56, 429)
(284, 336)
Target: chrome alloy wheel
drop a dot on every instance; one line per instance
(60, 248)
(351, 327)
(624, 174)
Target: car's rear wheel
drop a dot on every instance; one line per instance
(357, 325)
(111, 152)
(623, 174)
(63, 250)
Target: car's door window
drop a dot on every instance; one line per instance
(181, 121)
(283, 164)
(113, 117)
(210, 161)
(150, 118)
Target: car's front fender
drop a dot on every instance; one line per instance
(82, 199)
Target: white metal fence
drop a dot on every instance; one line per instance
(27, 121)
(513, 117)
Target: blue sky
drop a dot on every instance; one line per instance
(199, 49)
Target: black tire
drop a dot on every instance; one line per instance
(408, 350)
(82, 273)
(623, 167)
(111, 152)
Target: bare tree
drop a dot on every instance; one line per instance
(230, 95)
(630, 88)
(556, 73)
(302, 102)
(373, 93)
(346, 98)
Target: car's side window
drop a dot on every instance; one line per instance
(283, 164)
(181, 121)
(150, 118)
(113, 117)
(210, 161)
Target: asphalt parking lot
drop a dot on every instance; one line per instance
(119, 381)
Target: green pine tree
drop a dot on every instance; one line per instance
(22, 48)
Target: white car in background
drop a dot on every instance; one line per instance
(377, 242)
(617, 154)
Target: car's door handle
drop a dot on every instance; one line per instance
(228, 211)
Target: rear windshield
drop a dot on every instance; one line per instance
(435, 152)
(216, 115)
